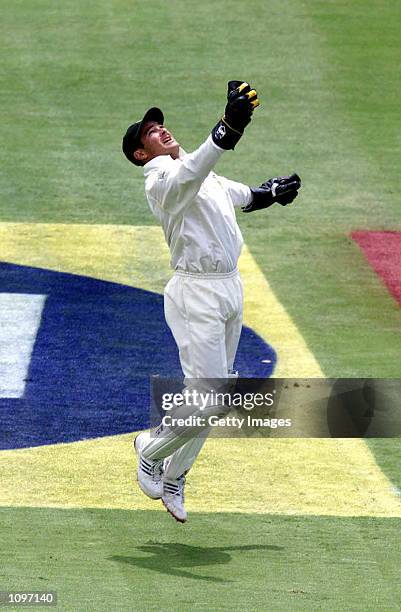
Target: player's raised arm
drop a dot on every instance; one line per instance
(180, 182)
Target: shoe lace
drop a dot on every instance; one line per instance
(154, 469)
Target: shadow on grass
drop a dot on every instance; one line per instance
(174, 559)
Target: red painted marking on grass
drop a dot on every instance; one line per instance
(383, 252)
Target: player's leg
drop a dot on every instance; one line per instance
(197, 311)
(182, 460)
(176, 468)
(196, 318)
(234, 322)
(193, 313)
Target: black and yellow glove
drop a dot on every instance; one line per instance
(282, 189)
(241, 102)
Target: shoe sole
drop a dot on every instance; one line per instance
(137, 479)
(179, 520)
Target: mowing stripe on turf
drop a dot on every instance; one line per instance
(287, 476)
(138, 256)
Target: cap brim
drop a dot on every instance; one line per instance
(153, 114)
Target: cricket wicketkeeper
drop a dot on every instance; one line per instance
(203, 301)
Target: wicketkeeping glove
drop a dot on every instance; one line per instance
(282, 189)
(241, 102)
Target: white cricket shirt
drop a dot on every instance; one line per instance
(195, 207)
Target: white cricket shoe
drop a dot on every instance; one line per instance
(150, 472)
(173, 498)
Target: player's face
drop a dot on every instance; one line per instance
(156, 140)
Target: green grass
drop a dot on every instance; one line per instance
(120, 560)
(387, 453)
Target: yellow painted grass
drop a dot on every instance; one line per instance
(287, 476)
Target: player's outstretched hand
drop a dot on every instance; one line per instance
(241, 102)
(281, 189)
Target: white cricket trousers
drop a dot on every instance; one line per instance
(204, 313)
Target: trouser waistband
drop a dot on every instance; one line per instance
(210, 275)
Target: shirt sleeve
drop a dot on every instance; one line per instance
(175, 187)
(239, 193)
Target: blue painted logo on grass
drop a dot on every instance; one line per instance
(96, 345)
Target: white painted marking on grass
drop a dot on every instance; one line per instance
(20, 316)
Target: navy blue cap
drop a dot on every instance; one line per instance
(132, 137)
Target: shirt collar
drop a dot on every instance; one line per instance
(161, 162)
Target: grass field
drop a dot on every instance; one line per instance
(314, 524)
